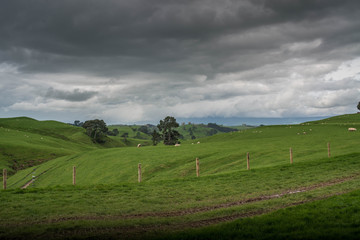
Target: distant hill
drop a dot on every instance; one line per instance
(349, 119)
(187, 131)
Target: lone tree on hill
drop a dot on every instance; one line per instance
(166, 127)
(96, 129)
(358, 106)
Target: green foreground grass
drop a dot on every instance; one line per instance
(335, 218)
(84, 211)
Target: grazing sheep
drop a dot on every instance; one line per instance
(139, 145)
(351, 129)
(198, 142)
(177, 145)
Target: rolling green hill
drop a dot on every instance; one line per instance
(222, 153)
(26, 142)
(108, 202)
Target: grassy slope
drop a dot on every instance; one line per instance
(25, 142)
(170, 184)
(268, 146)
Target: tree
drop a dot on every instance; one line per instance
(114, 132)
(358, 106)
(155, 137)
(77, 123)
(168, 134)
(125, 135)
(144, 129)
(96, 129)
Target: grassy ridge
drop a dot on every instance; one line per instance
(187, 131)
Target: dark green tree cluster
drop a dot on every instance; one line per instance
(167, 131)
(358, 106)
(114, 132)
(77, 123)
(96, 129)
(169, 135)
(144, 129)
(155, 137)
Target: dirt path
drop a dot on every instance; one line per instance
(28, 183)
(34, 178)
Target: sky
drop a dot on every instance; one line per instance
(141, 60)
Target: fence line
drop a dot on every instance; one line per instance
(140, 174)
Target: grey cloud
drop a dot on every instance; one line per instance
(74, 96)
(200, 56)
(160, 35)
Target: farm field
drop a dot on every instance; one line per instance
(108, 202)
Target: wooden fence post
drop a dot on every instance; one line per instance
(197, 167)
(139, 172)
(291, 156)
(4, 178)
(248, 161)
(74, 175)
(328, 146)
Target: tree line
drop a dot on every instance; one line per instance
(97, 130)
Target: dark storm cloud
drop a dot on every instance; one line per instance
(73, 96)
(112, 36)
(189, 57)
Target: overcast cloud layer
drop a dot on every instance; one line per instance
(141, 60)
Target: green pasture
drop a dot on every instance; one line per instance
(268, 146)
(80, 211)
(335, 218)
(25, 142)
(108, 202)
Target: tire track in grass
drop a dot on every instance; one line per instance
(198, 210)
(215, 207)
(139, 231)
(34, 178)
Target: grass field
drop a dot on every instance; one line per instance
(275, 199)
(26, 142)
